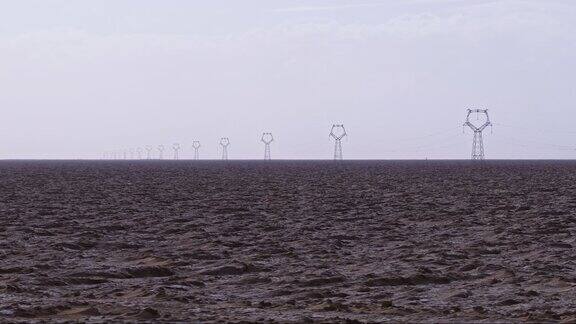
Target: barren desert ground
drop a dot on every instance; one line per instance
(288, 241)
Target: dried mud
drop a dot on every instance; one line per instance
(288, 241)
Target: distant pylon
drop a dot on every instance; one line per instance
(478, 141)
(224, 142)
(148, 152)
(338, 132)
(176, 148)
(139, 153)
(196, 146)
(267, 138)
(160, 152)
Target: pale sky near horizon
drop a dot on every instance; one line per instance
(80, 77)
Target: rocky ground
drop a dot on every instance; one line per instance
(288, 241)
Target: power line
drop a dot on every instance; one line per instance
(532, 130)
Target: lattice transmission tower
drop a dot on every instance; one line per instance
(149, 150)
(196, 146)
(267, 139)
(160, 152)
(176, 148)
(338, 132)
(224, 142)
(478, 141)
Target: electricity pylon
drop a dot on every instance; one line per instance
(196, 146)
(478, 141)
(224, 142)
(338, 132)
(267, 139)
(148, 152)
(160, 152)
(176, 148)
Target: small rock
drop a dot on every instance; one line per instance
(462, 294)
(225, 271)
(148, 313)
(6, 312)
(387, 304)
(532, 293)
(509, 302)
(90, 311)
(264, 304)
(479, 309)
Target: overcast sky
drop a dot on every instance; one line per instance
(80, 77)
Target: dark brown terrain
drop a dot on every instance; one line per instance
(288, 241)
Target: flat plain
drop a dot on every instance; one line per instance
(367, 241)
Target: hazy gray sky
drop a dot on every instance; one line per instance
(79, 77)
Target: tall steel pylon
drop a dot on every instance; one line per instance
(148, 152)
(160, 152)
(176, 148)
(338, 132)
(478, 141)
(196, 146)
(224, 142)
(267, 139)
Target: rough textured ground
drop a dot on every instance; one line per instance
(298, 241)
